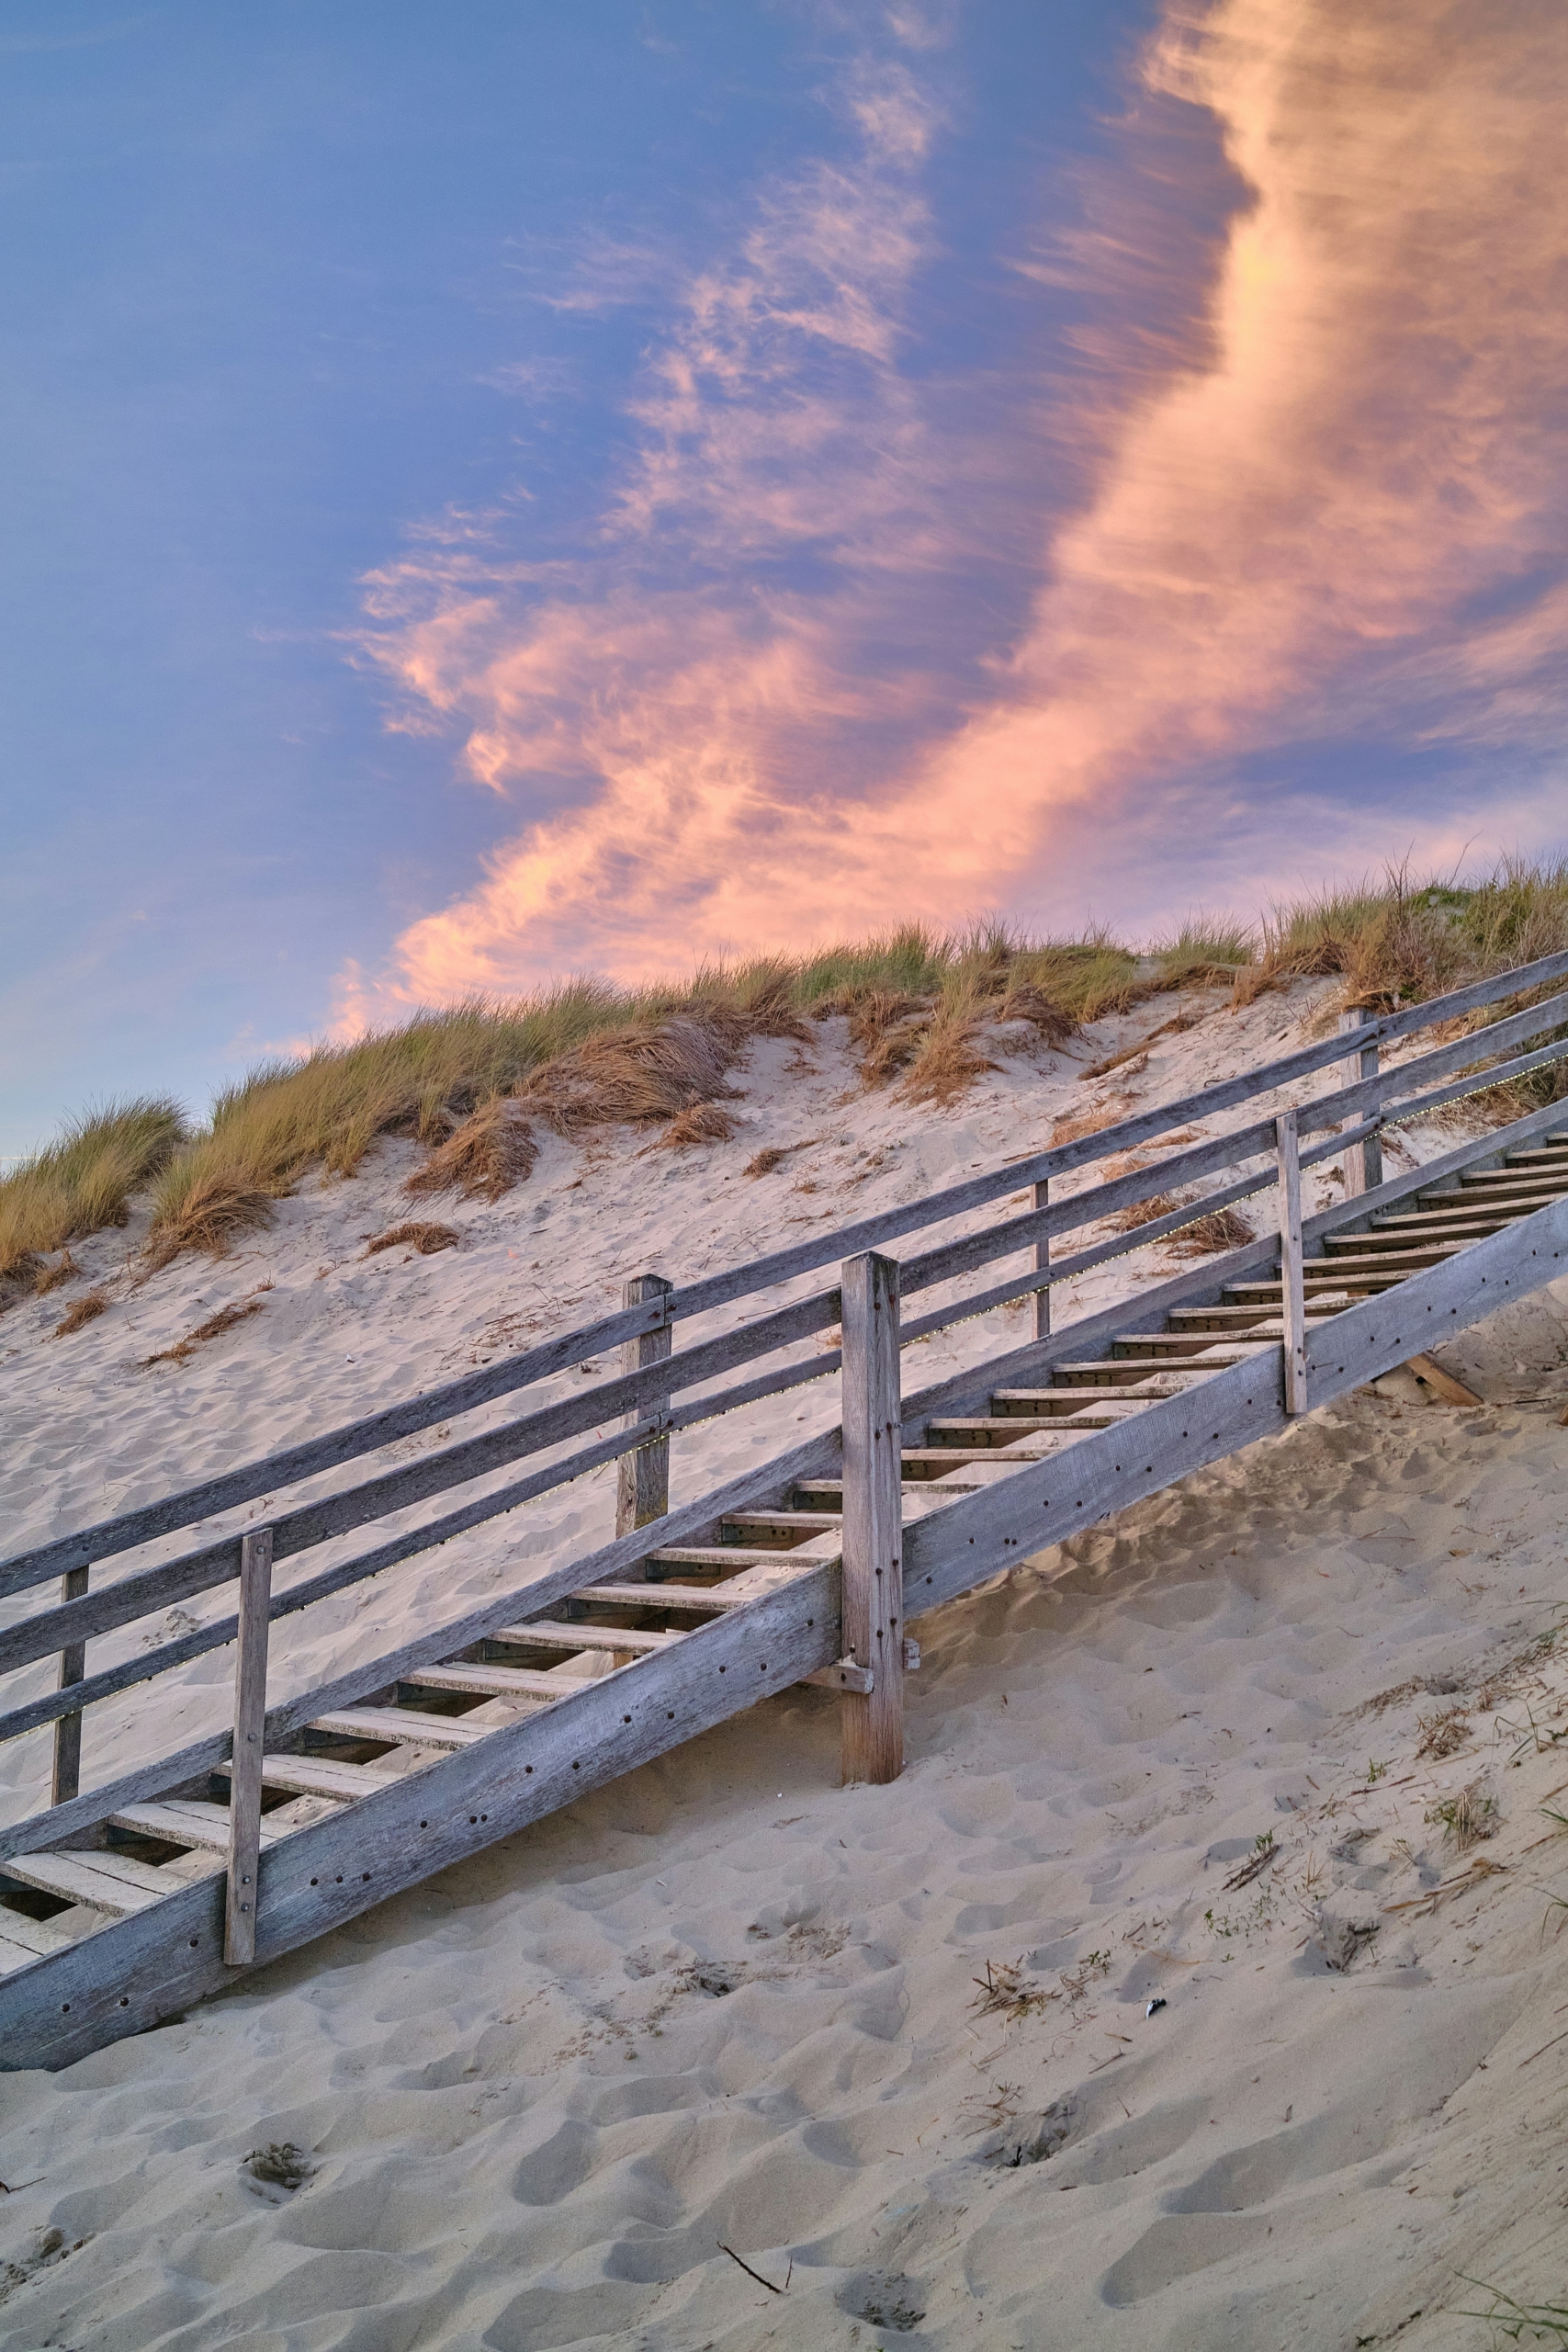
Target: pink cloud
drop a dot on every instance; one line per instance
(1349, 441)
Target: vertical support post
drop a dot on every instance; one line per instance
(872, 1725)
(1041, 1262)
(68, 1728)
(1291, 1277)
(249, 1726)
(1363, 1161)
(642, 1479)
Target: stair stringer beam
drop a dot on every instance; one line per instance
(1045, 1502)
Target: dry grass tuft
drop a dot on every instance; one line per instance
(491, 1150)
(704, 1123)
(86, 1310)
(213, 1328)
(654, 1072)
(1143, 1212)
(49, 1278)
(1005, 1992)
(1218, 1229)
(82, 1182)
(763, 1163)
(211, 1213)
(1443, 1734)
(426, 1239)
(1090, 1123)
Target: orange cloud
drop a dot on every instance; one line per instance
(1325, 510)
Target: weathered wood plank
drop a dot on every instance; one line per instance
(1363, 1160)
(403, 1726)
(1292, 1279)
(67, 1778)
(872, 1726)
(490, 1681)
(642, 1484)
(28, 1939)
(1042, 1200)
(666, 1596)
(112, 1883)
(1442, 1383)
(193, 1822)
(250, 1732)
(540, 1634)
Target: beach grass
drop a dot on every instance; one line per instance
(927, 1012)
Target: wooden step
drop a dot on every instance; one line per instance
(320, 1776)
(790, 1524)
(726, 1557)
(1161, 1345)
(914, 1490)
(994, 1430)
(401, 1727)
(544, 1633)
(1250, 1320)
(1081, 1406)
(195, 1823)
(1498, 1210)
(1111, 1372)
(934, 1461)
(707, 1597)
(494, 1681)
(111, 1882)
(1426, 1239)
(22, 1938)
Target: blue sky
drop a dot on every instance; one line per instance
(501, 490)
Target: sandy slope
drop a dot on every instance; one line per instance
(727, 2000)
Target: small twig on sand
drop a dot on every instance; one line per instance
(768, 2283)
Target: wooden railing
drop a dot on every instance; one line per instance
(654, 1374)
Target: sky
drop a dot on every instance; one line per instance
(496, 491)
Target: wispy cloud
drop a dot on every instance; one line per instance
(797, 684)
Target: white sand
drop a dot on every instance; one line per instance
(532, 2107)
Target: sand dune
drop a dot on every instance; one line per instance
(727, 2004)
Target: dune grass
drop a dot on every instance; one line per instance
(927, 1012)
(82, 1182)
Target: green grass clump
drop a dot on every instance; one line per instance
(83, 1181)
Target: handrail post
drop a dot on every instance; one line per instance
(68, 1728)
(1292, 1280)
(872, 1725)
(1363, 1161)
(642, 1479)
(249, 1729)
(1042, 1264)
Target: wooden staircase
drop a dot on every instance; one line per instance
(112, 1905)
